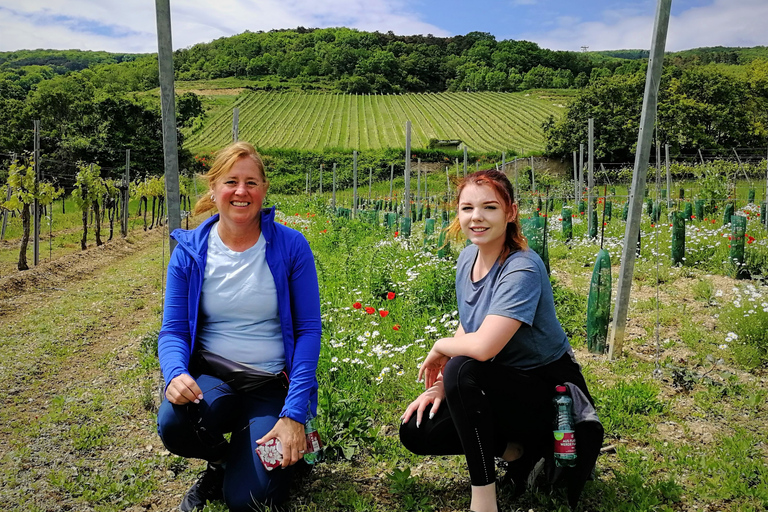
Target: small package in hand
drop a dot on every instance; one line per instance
(270, 453)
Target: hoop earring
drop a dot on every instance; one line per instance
(213, 198)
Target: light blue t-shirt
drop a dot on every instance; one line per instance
(238, 306)
(518, 289)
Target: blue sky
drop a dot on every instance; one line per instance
(129, 25)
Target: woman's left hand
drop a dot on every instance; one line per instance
(432, 366)
(290, 433)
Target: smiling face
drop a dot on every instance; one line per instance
(482, 217)
(239, 194)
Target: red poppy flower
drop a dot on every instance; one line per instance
(357, 305)
(370, 310)
(653, 226)
(396, 327)
(383, 312)
(397, 233)
(670, 225)
(693, 216)
(390, 295)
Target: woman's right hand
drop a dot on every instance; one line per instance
(182, 390)
(434, 395)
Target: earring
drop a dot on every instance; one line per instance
(213, 198)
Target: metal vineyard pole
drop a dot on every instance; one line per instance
(504, 163)
(575, 179)
(235, 124)
(354, 183)
(309, 182)
(418, 184)
(370, 182)
(581, 172)
(167, 97)
(650, 100)
(7, 198)
(407, 197)
(533, 179)
(765, 220)
(447, 184)
(306, 184)
(517, 184)
(36, 205)
(333, 196)
(126, 193)
(321, 179)
(457, 168)
(591, 171)
(465, 160)
(669, 176)
(391, 179)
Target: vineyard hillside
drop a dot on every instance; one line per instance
(484, 121)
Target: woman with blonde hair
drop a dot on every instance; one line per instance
(497, 374)
(240, 339)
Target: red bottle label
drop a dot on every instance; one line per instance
(313, 442)
(565, 443)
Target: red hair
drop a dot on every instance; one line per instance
(514, 240)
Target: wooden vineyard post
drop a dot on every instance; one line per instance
(632, 232)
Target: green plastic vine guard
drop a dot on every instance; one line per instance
(738, 232)
(599, 304)
(699, 206)
(533, 229)
(420, 214)
(688, 212)
(405, 227)
(729, 210)
(429, 232)
(649, 207)
(678, 238)
(565, 213)
(625, 212)
(763, 208)
(391, 221)
(582, 207)
(751, 195)
(656, 212)
(681, 195)
(593, 224)
(663, 193)
(608, 210)
(428, 212)
(443, 246)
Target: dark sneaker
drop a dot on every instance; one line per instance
(207, 488)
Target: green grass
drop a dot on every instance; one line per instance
(485, 121)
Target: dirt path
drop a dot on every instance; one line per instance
(76, 432)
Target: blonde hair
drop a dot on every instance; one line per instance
(225, 159)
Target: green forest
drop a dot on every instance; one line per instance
(94, 105)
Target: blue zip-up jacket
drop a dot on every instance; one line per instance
(290, 260)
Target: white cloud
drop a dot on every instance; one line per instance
(723, 23)
(129, 25)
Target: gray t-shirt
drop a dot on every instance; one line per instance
(518, 289)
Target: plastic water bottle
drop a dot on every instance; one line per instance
(565, 438)
(314, 445)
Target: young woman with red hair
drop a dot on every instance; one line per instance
(498, 373)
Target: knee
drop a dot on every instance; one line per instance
(456, 371)
(411, 437)
(171, 427)
(257, 494)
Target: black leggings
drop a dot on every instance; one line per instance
(488, 405)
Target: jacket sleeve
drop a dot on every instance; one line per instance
(305, 311)
(174, 342)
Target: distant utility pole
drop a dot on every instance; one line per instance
(645, 139)
(167, 100)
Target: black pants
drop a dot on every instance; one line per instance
(489, 405)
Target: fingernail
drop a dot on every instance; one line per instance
(200, 396)
(402, 421)
(418, 424)
(431, 415)
(197, 401)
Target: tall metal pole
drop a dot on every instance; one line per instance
(590, 170)
(235, 124)
(354, 184)
(407, 195)
(669, 176)
(765, 220)
(36, 204)
(517, 183)
(533, 177)
(645, 136)
(504, 162)
(167, 97)
(126, 192)
(391, 179)
(418, 184)
(309, 181)
(465, 160)
(581, 172)
(321, 179)
(575, 179)
(333, 196)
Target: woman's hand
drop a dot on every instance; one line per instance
(434, 395)
(432, 366)
(290, 433)
(182, 390)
